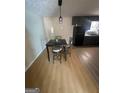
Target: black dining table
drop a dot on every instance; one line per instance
(52, 43)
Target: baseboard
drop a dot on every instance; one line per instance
(34, 59)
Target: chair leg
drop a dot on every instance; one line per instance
(53, 59)
(60, 58)
(70, 53)
(57, 56)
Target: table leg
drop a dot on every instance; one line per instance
(48, 53)
(65, 54)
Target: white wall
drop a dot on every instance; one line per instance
(69, 7)
(34, 37)
(38, 32)
(65, 29)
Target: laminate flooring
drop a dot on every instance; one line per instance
(79, 74)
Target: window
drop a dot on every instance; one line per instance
(94, 26)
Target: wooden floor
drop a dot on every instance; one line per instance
(72, 76)
(89, 57)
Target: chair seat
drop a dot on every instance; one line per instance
(57, 49)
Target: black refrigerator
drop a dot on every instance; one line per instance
(78, 35)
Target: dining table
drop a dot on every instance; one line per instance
(54, 42)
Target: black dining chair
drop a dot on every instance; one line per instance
(57, 52)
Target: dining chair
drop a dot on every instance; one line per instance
(69, 46)
(57, 52)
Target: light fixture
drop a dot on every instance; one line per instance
(60, 18)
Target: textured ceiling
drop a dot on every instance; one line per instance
(69, 7)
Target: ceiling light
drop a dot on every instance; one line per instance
(60, 18)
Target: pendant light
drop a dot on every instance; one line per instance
(60, 18)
